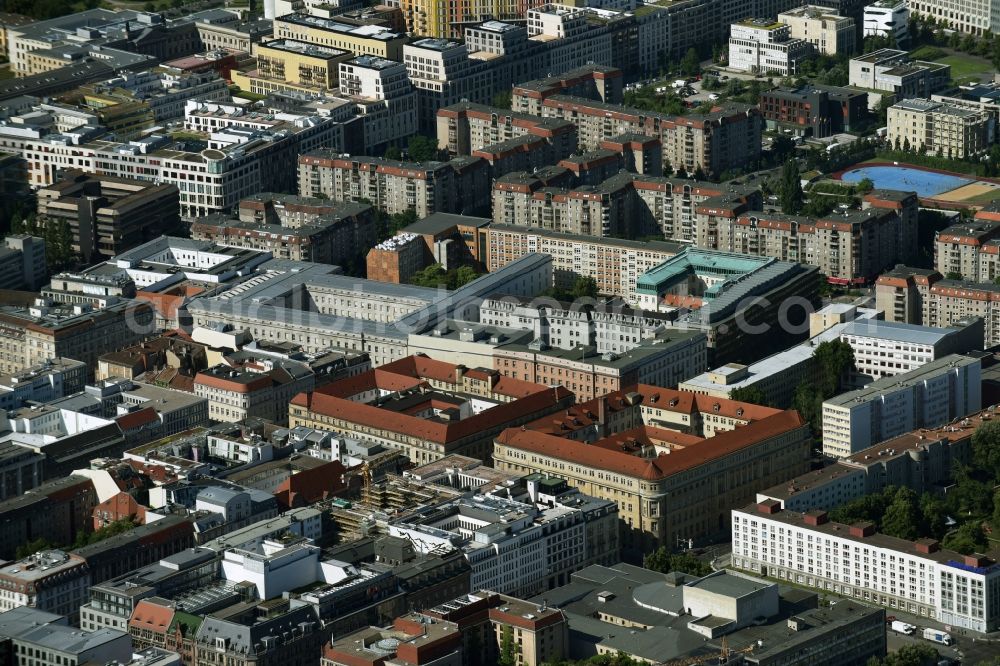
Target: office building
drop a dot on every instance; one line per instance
(353, 406)
(888, 18)
(974, 17)
(49, 580)
(52, 379)
(370, 40)
(52, 641)
(506, 540)
(108, 215)
(893, 71)
(828, 33)
(292, 65)
(929, 396)
(48, 330)
(917, 577)
(457, 186)
(763, 46)
(714, 301)
(259, 387)
(778, 375)
(653, 450)
(817, 111)
(885, 349)
(679, 618)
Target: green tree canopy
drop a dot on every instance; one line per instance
(790, 189)
(902, 517)
(752, 394)
(664, 561)
(986, 449)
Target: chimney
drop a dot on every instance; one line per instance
(769, 507)
(976, 560)
(926, 546)
(602, 406)
(815, 517)
(862, 530)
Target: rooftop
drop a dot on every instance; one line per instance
(885, 385)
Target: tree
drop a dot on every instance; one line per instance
(933, 511)
(790, 189)
(751, 394)
(463, 275)
(422, 148)
(691, 63)
(584, 287)
(664, 561)
(835, 360)
(393, 153)
(908, 655)
(17, 224)
(808, 402)
(864, 509)
(32, 547)
(508, 648)
(953, 275)
(967, 539)
(699, 173)
(902, 516)
(502, 100)
(864, 186)
(986, 449)
(681, 172)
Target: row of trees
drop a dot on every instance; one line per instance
(58, 237)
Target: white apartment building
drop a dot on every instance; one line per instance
(384, 95)
(930, 396)
(828, 32)
(887, 18)
(763, 46)
(852, 560)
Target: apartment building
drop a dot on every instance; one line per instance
(933, 394)
(292, 227)
(466, 127)
(46, 330)
(888, 18)
(828, 32)
(848, 247)
(369, 406)
(937, 128)
(629, 205)
(614, 263)
(372, 40)
(443, 74)
(51, 640)
(108, 215)
(645, 444)
(763, 46)
(726, 137)
(292, 65)
(22, 262)
(590, 81)
(917, 577)
(456, 186)
(384, 98)
(893, 71)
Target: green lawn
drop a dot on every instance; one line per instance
(964, 68)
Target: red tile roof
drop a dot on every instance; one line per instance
(151, 616)
(614, 459)
(137, 419)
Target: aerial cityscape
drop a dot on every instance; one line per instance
(482, 333)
